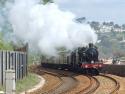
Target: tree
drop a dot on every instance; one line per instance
(4, 45)
(111, 23)
(95, 25)
(46, 1)
(104, 23)
(2, 2)
(123, 26)
(81, 20)
(116, 26)
(118, 53)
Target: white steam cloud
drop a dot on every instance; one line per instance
(46, 27)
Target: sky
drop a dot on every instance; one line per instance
(96, 10)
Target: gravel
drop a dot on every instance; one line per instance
(106, 85)
(121, 80)
(68, 83)
(84, 82)
(72, 86)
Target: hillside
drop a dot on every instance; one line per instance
(111, 44)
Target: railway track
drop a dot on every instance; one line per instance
(66, 83)
(108, 86)
(69, 84)
(94, 84)
(54, 87)
(52, 82)
(117, 85)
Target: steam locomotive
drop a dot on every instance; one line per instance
(82, 59)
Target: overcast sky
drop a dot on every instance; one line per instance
(97, 10)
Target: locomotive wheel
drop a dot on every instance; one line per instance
(88, 71)
(91, 71)
(95, 72)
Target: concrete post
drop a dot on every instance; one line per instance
(10, 87)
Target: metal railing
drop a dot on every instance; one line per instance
(13, 60)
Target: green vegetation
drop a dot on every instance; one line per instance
(112, 36)
(112, 44)
(1, 88)
(26, 83)
(46, 1)
(4, 45)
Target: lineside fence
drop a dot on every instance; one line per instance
(13, 60)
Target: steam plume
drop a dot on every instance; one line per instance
(46, 27)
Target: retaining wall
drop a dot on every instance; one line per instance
(114, 69)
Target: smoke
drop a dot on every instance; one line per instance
(47, 28)
(1, 22)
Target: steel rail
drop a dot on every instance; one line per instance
(90, 89)
(59, 75)
(54, 88)
(117, 85)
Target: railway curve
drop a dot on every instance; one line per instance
(75, 83)
(66, 81)
(108, 85)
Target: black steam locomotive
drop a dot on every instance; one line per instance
(82, 59)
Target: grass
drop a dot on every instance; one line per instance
(1, 88)
(26, 83)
